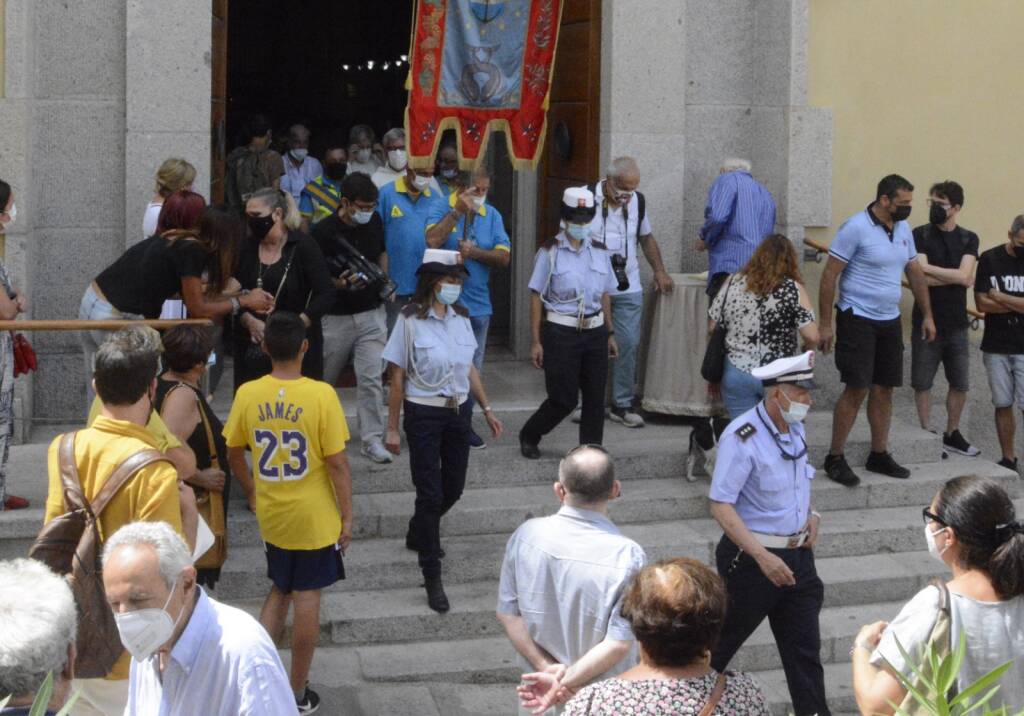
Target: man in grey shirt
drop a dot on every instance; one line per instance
(562, 582)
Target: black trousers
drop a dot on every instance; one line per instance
(792, 614)
(438, 456)
(574, 361)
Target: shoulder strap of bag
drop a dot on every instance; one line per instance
(715, 697)
(725, 300)
(131, 465)
(205, 420)
(641, 211)
(74, 498)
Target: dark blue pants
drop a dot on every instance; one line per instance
(438, 455)
(574, 362)
(792, 613)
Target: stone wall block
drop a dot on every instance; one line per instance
(719, 51)
(811, 136)
(771, 50)
(713, 133)
(80, 48)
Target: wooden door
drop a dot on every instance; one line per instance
(218, 100)
(574, 113)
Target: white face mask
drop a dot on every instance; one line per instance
(449, 173)
(421, 182)
(479, 200)
(146, 630)
(933, 549)
(362, 217)
(397, 159)
(362, 155)
(796, 413)
(299, 154)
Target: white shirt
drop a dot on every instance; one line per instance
(296, 177)
(619, 234)
(566, 575)
(995, 634)
(224, 664)
(150, 219)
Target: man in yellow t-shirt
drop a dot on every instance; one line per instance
(299, 488)
(125, 380)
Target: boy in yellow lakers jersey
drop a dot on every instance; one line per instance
(299, 488)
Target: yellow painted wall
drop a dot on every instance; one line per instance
(930, 89)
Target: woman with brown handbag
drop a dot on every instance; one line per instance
(184, 408)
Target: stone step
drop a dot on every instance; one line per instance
(384, 563)
(402, 615)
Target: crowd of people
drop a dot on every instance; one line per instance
(359, 257)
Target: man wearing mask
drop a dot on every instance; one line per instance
(191, 654)
(356, 325)
(999, 294)
(299, 167)
(396, 159)
(364, 154)
(322, 196)
(404, 206)
(761, 497)
(447, 168)
(871, 252)
(947, 254)
(468, 224)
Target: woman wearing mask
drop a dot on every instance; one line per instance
(570, 289)
(285, 263)
(430, 353)
(763, 306)
(172, 262)
(364, 154)
(972, 528)
(11, 304)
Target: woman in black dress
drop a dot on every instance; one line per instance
(182, 405)
(280, 259)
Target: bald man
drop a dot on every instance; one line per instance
(582, 551)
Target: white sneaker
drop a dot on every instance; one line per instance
(376, 452)
(577, 415)
(626, 417)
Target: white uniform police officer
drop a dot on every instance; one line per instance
(571, 283)
(761, 496)
(431, 361)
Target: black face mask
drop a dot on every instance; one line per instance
(900, 213)
(335, 170)
(260, 226)
(937, 215)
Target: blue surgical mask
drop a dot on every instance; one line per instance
(577, 231)
(448, 293)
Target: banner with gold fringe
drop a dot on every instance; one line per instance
(477, 66)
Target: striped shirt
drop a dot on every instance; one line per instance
(739, 214)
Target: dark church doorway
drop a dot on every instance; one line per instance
(329, 65)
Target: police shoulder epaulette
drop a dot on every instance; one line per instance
(599, 245)
(745, 431)
(410, 310)
(461, 310)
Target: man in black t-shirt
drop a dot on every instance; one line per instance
(356, 326)
(947, 254)
(999, 294)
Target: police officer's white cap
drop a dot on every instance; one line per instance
(798, 370)
(442, 261)
(578, 197)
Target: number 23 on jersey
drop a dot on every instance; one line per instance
(281, 456)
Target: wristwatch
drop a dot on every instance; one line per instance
(236, 305)
(487, 409)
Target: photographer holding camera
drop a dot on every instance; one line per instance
(352, 241)
(622, 225)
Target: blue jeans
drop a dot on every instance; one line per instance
(740, 390)
(627, 320)
(480, 325)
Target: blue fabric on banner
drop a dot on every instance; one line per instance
(484, 43)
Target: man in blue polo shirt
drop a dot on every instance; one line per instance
(468, 224)
(871, 252)
(404, 206)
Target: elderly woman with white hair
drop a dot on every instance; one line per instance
(739, 213)
(38, 623)
(190, 653)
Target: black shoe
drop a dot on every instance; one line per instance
(883, 464)
(838, 470)
(410, 544)
(475, 441)
(955, 442)
(529, 450)
(1008, 463)
(310, 702)
(436, 598)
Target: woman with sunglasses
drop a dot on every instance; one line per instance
(971, 527)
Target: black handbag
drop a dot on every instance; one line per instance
(713, 367)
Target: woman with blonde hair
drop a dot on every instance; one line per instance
(173, 175)
(763, 306)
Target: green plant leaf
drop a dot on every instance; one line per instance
(6, 699)
(984, 700)
(70, 704)
(981, 684)
(42, 698)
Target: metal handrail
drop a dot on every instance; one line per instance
(820, 248)
(84, 325)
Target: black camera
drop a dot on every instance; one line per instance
(362, 269)
(619, 268)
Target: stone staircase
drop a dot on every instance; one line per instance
(382, 651)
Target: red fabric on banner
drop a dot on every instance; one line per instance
(524, 125)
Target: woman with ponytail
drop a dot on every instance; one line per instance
(972, 528)
(286, 263)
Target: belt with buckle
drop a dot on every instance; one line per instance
(793, 541)
(438, 401)
(586, 323)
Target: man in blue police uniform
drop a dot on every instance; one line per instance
(570, 289)
(761, 496)
(475, 229)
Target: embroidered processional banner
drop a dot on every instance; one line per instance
(477, 66)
